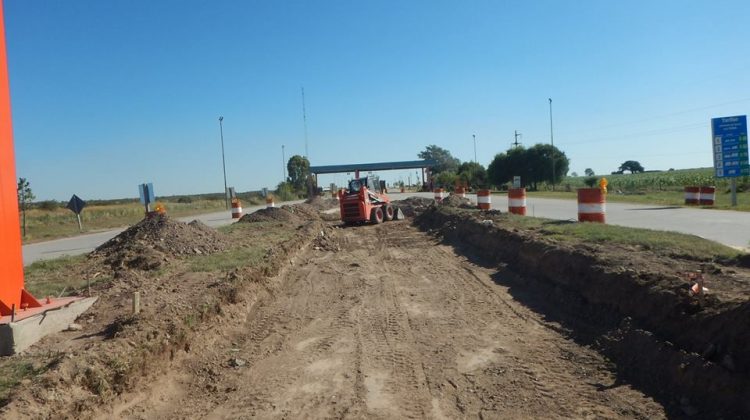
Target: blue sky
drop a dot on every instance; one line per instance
(108, 94)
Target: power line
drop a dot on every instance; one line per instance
(646, 133)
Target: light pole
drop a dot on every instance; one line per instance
(283, 163)
(223, 161)
(475, 147)
(552, 141)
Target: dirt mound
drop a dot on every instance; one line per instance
(322, 203)
(296, 213)
(147, 244)
(456, 201)
(270, 214)
(413, 205)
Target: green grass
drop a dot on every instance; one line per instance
(660, 242)
(56, 276)
(255, 239)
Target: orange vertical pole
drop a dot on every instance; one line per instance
(11, 258)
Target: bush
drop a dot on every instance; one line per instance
(48, 205)
(590, 181)
(185, 200)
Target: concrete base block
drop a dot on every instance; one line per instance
(17, 336)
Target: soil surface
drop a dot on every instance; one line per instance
(390, 324)
(450, 314)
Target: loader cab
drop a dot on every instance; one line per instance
(371, 183)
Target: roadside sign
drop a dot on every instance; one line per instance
(729, 140)
(147, 193)
(76, 205)
(516, 181)
(231, 194)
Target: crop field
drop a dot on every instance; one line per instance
(674, 180)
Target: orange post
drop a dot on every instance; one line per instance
(12, 293)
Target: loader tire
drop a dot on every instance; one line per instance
(376, 215)
(388, 212)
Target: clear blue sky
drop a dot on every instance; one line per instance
(108, 94)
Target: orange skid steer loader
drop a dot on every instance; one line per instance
(363, 201)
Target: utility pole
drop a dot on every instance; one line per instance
(304, 122)
(552, 142)
(283, 163)
(516, 135)
(223, 161)
(475, 147)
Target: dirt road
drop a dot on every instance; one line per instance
(385, 322)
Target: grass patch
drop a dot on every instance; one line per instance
(58, 276)
(660, 242)
(228, 260)
(12, 372)
(253, 242)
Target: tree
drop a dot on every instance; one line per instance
(298, 168)
(446, 179)
(631, 165)
(473, 174)
(445, 161)
(25, 196)
(533, 165)
(589, 172)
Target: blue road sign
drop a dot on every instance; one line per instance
(147, 193)
(729, 139)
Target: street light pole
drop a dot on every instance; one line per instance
(475, 147)
(552, 141)
(223, 161)
(283, 163)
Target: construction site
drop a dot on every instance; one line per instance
(452, 312)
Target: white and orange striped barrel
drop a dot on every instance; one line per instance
(484, 201)
(692, 195)
(707, 196)
(591, 205)
(517, 201)
(236, 208)
(460, 191)
(269, 202)
(439, 194)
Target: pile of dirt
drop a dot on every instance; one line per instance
(620, 299)
(296, 213)
(457, 201)
(414, 205)
(270, 214)
(322, 203)
(147, 244)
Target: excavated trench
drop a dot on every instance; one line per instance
(693, 356)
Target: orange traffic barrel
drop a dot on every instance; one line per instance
(269, 202)
(591, 205)
(517, 201)
(460, 191)
(483, 199)
(707, 196)
(439, 194)
(236, 209)
(403, 189)
(692, 195)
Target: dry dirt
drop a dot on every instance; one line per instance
(392, 325)
(451, 316)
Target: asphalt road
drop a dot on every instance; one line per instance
(726, 227)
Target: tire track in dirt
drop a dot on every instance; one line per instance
(396, 325)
